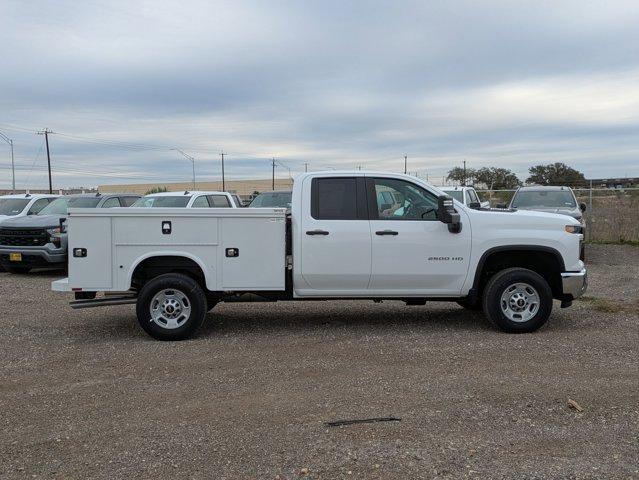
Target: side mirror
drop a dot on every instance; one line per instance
(446, 213)
(582, 207)
(500, 205)
(474, 205)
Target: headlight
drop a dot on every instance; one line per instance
(53, 231)
(575, 229)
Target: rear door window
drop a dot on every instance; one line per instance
(336, 199)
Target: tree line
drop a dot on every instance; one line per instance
(493, 178)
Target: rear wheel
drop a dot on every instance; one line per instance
(18, 270)
(517, 300)
(171, 307)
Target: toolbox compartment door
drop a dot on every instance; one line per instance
(94, 270)
(253, 254)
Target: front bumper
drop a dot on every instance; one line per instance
(574, 284)
(34, 257)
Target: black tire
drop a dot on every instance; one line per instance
(506, 279)
(17, 270)
(476, 305)
(188, 293)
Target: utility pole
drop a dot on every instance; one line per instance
(13, 166)
(46, 133)
(405, 163)
(464, 182)
(273, 182)
(223, 181)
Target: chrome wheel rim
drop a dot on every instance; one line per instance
(520, 302)
(170, 308)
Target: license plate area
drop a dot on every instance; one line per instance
(15, 257)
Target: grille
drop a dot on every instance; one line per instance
(31, 237)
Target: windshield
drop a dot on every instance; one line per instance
(61, 205)
(272, 199)
(168, 201)
(12, 206)
(456, 194)
(544, 199)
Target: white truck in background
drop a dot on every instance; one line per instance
(466, 195)
(338, 242)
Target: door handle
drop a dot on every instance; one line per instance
(386, 232)
(317, 232)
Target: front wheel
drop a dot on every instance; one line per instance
(171, 307)
(517, 300)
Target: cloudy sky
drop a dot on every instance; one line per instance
(332, 84)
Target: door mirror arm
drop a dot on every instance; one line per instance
(446, 214)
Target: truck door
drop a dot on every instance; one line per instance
(336, 236)
(412, 252)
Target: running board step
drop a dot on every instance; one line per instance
(102, 302)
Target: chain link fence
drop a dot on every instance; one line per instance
(612, 215)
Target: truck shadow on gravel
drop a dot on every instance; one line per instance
(233, 320)
(237, 320)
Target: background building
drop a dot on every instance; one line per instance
(244, 188)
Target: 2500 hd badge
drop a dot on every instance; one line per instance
(445, 259)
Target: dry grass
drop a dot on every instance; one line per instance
(603, 304)
(613, 218)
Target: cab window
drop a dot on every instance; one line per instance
(219, 201)
(39, 205)
(128, 201)
(111, 202)
(200, 202)
(410, 202)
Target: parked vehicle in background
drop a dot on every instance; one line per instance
(466, 195)
(272, 199)
(337, 242)
(195, 199)
(40, 240)
(21, 205)
(548, 199)
(238, 201)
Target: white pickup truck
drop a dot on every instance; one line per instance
(337, 242)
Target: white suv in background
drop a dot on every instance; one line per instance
(196, 199)
(466, 195)
(23, 204)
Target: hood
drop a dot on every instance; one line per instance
(571, 212)
(33, 221)
(525, 218)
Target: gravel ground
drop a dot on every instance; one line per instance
(87, 394)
